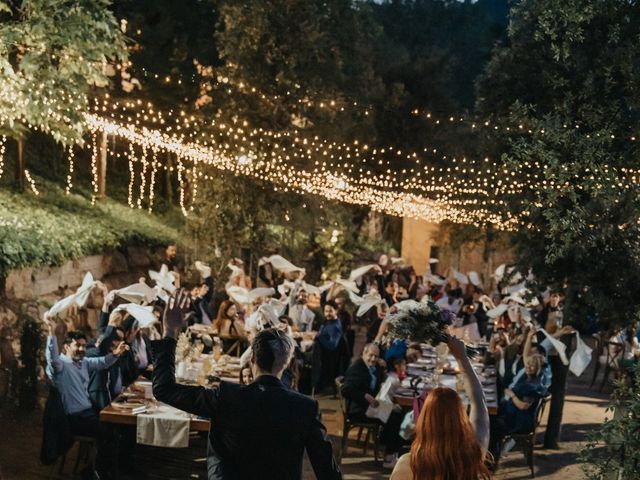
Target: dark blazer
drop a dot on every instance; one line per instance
(57, 438)
(258, 431)
(203, 304)
(357, 383)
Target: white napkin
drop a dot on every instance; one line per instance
(382, 412)
(168, 427)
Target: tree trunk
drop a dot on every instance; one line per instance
(20, 165)
(102, 167)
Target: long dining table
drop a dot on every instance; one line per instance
(428, 368)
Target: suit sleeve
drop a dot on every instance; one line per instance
(197, 400)
(350, 388)
(320, 450)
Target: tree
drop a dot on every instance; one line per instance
(569, 73)
(51, 54)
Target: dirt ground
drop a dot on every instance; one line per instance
(20, 436)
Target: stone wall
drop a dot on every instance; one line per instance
(420, 237)
(33, 290)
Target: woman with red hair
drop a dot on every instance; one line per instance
(449, 444)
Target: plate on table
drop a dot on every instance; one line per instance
(127, 406)
(404, 392)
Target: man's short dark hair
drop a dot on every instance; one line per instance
(70, 337)
(273, 349)
(332, 304)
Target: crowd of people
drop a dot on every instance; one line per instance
(295, 339)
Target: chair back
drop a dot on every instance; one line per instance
(343, 404)
(615, 353)
(542, 403)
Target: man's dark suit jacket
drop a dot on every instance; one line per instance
(357, 383)
(258, 431)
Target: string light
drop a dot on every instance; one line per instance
(131, 175)
(152, 183)
(70, 173)
(3, 145)
(143, 175)
(32, 183)
(181, 185)
(94, 168)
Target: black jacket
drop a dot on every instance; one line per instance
(258, 431)
(56, 432)
(357, 383)
(202, 305)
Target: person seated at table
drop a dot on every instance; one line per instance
(327, 355)
(69, 372)
(395, 376)
(105, 385)
(362, 382)
(259, 430)
(517, 410)
(228, 325)
(449, 443)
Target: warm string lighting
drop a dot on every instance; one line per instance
(94, 168)
(70, 172)
(3, 146)
(143, 175)
(131, 175)
(152, 183)
(180, 167)
(31, 181)
(194, 189)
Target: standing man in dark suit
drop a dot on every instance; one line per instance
(259, 430)
(361, 383)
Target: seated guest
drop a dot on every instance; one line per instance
(259, 430)
(449, 443)
(326, 354)
(228, 324)
(361, 383)
(105, 385)
(517, 410)
(70, 372)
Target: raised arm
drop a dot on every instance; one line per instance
(479, 415)
(54, 364)
(197, 400)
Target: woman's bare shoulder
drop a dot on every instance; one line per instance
(402, 470)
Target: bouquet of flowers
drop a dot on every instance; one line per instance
(421, 322)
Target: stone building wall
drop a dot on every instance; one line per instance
(421, 240)
(33, 290)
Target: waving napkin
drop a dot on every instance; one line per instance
(79, 298)
(360, 271)
(366, 302)
(283, 265)
(244, 296)
(144, 315)
(137, 293)
(164, 279)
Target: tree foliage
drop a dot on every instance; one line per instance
(52, 52)
(570, 70)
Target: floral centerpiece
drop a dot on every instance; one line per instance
(421, 322)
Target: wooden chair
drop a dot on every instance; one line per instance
(372, 428)
(614, 355)
(527, 440)
(598, 352)
(85, 457)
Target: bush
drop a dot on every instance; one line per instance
(54, 227)
(613, 450)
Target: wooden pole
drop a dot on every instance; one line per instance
(102, 167)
